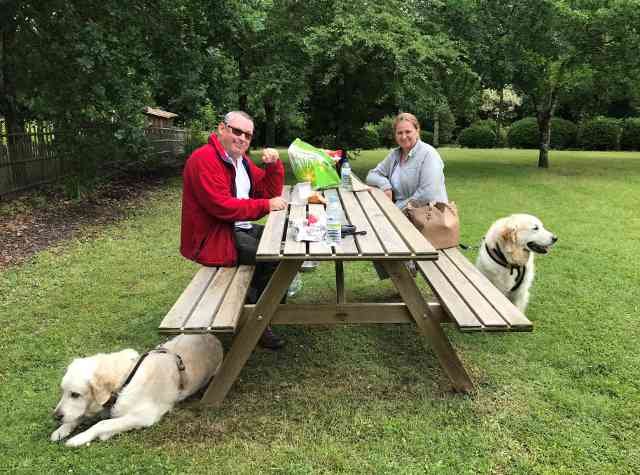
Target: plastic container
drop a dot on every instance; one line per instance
(295, 286)
(308, 266)
(334, 224)
(345, 176)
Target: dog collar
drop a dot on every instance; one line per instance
(114, 395)
(499, 258)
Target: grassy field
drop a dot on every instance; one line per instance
(365, 399)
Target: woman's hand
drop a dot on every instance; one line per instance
(389, 193)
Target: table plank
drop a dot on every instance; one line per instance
(357, 184)
(368, 244)
(414, 238)
(271, 241)
(291, 246)
(389, 237)
(318, 248)
(347, 245)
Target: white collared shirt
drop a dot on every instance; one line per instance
(243, 187)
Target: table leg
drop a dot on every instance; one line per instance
(429, 326)
(245, 341)
(339, 282)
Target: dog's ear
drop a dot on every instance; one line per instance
(100, 389)
(104, 378)
(509, 237)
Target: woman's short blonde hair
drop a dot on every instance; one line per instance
(402, 116)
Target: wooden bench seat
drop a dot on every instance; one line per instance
(211, 303)
(468, 297)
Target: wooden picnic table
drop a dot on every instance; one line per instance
(390, 240)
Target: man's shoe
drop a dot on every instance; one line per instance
(270, 340)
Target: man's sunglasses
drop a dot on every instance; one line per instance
(239, 132)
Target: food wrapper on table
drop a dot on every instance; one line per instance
(312, 229)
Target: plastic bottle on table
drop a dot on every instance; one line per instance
(345, 175)
(334, 224)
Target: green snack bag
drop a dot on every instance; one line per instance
(312, 164)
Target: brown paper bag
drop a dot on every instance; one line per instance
(437, 221)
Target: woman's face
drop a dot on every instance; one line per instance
(406, 135)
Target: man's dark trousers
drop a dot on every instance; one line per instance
(247, 241)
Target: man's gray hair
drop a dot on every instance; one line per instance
(229, 115)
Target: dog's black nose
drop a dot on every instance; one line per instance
(58, 416)
(554, 239)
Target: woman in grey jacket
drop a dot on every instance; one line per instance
(414, 170)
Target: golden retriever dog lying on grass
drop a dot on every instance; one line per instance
(506, 255)
(135, 391)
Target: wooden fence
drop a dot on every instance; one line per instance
(168, 142)
(31, 159)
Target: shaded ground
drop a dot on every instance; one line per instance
(33, 221)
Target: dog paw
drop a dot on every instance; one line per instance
(79, 440)
(60, 433)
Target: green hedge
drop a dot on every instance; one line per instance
(599, 133)
(630, 139)
(370, 138)
(563, 133)
(501, 138)
(477, 136)
(426, 136)
(525, 133)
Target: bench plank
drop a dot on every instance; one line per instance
(204, 312)
(453, 304)
(226, 320)
(182, 309)
(497, 299)
(476, 301)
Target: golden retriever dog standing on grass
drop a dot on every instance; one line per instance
(135, 393)
(506, 255)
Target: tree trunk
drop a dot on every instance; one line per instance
(269, 122)
(544, 115)
(243, 98)
(436, 130)
(544, 128)
(500, 114)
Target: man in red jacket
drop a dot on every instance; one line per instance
(223, 192)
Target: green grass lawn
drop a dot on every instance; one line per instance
(359, 399)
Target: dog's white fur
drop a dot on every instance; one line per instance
(518, 236)
(152, 392)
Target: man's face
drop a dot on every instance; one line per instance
(235, 136)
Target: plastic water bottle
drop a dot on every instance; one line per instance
(334, 225)
(296, 285)
(345, 176)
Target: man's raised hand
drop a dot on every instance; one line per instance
(269, 155)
